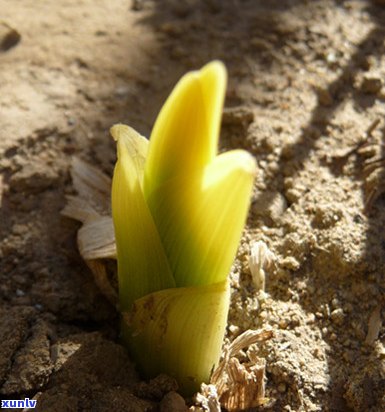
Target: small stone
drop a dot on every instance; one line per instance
(337, 316)
(368, 62)
(34, 177)
(9, 37)
(311, 289)
(156, 388)
(282, 324)
(293, 194)
(335, 303)
(325, 97)
(325, 331)
(331, 58)
(122, 91)
(234, 329)
(173, 402)
(311, 318)
(291, 263)
(371, 85)
(238, 116)
(263, 314)
(282, 387)
(333, 336)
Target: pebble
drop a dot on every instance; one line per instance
(368, 62)
(333, 336)
(318, 354)
(325, 332)
(290, 262)
(335, 303)
(371, 85)
(33, 177)
(234, 329)
(238, 116)
(173, 402)
(311, 318)
(325, 97)
(282, 324)
(293, 194)
(337, 316)
(311, 289)
(331, 58)
(263, 314)
(349, 356)
(9, 37)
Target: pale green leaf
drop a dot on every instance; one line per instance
(179, 332)
(142, 264)
(200, 220)
(185, 135)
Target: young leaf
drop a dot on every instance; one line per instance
(185, 135)
(179, 332)
(200, 220)
(142, 265)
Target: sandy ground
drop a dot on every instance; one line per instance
(306, 97)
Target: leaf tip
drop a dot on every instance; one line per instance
(216, 68)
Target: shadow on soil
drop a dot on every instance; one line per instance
(248, 35)
(192, 33)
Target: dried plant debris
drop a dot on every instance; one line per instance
(238, 386)
(371, 149)
(91, 207)
(261, 258)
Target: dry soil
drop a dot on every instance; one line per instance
(306, 97)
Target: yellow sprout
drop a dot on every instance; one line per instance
(178, 210)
